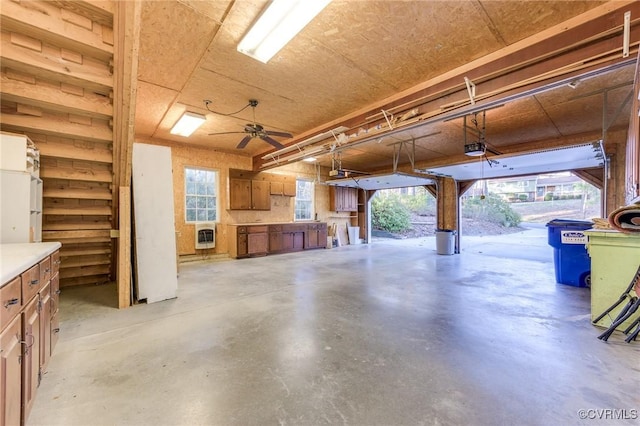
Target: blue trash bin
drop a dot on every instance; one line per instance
(570, 256)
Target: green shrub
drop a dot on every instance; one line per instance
(548, 196)
(389, 213)
(523, 197)
(422, 203)
(491, 209)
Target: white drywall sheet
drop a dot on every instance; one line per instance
(155, 236)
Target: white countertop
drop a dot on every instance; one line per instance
(17, 258)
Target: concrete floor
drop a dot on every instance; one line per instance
(383, 334)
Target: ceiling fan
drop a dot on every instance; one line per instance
(252, 130)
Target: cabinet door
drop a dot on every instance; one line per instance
(275, 242)
(55, 262)
(242, 245)
(257, 244)
(322, 235)
(31, 358)
(289, 189)
(277, 188)
(352, 199)
(55, 294)
(312, 237)
(239, 194)
(298, 240)
(260, 195)
(45, 327)
(10, 372)
(55, 332)
(287, 241)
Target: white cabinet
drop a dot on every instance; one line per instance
(20, 190)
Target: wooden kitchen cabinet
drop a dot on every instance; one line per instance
(246, 240)
(316, 236)
(239, 194)
(45, 327)
(260, 240)
(343, 199)
(260, 195)
(276, 188)
(31, 355)
(293, 237)
(11, 372)
(246, 194)
(275, 238)
(28, 308)
(257, 240)
(289, 189)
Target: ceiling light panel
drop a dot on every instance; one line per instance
(279, 23)
(188, 124)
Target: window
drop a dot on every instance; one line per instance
(200, 195)
(304, 199)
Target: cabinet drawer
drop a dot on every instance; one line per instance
(11, 301)
(275, 228)
(257, 229)
(45, 270)
(30, 283)
(242, 229)
(55, 263)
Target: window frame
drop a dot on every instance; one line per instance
(311, 209)
(215, 195)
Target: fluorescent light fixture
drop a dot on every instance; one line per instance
(188, 124)
(279, 23)
(310, 159)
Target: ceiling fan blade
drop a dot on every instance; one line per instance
(244, 142)
(280, 134)
(272, 142)
(226, 133)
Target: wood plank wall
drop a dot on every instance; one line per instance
(57, 88)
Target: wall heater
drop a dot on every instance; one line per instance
(205, 235)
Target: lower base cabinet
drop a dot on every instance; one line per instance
(260, 240)
(11, 372)
(29, 332)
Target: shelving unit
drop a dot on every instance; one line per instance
(21, 195)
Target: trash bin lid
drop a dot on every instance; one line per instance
(585, 224)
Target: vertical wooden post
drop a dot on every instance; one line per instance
(448, 205)
(124, 248)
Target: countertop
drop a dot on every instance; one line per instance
(17, 258)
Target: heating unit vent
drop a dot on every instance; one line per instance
(205, 235)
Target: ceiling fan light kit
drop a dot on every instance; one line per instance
(277, 25)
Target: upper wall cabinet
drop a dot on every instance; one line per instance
(247, 194)
(343, 199)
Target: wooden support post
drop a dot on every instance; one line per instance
(448, 204)
(124, 248)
